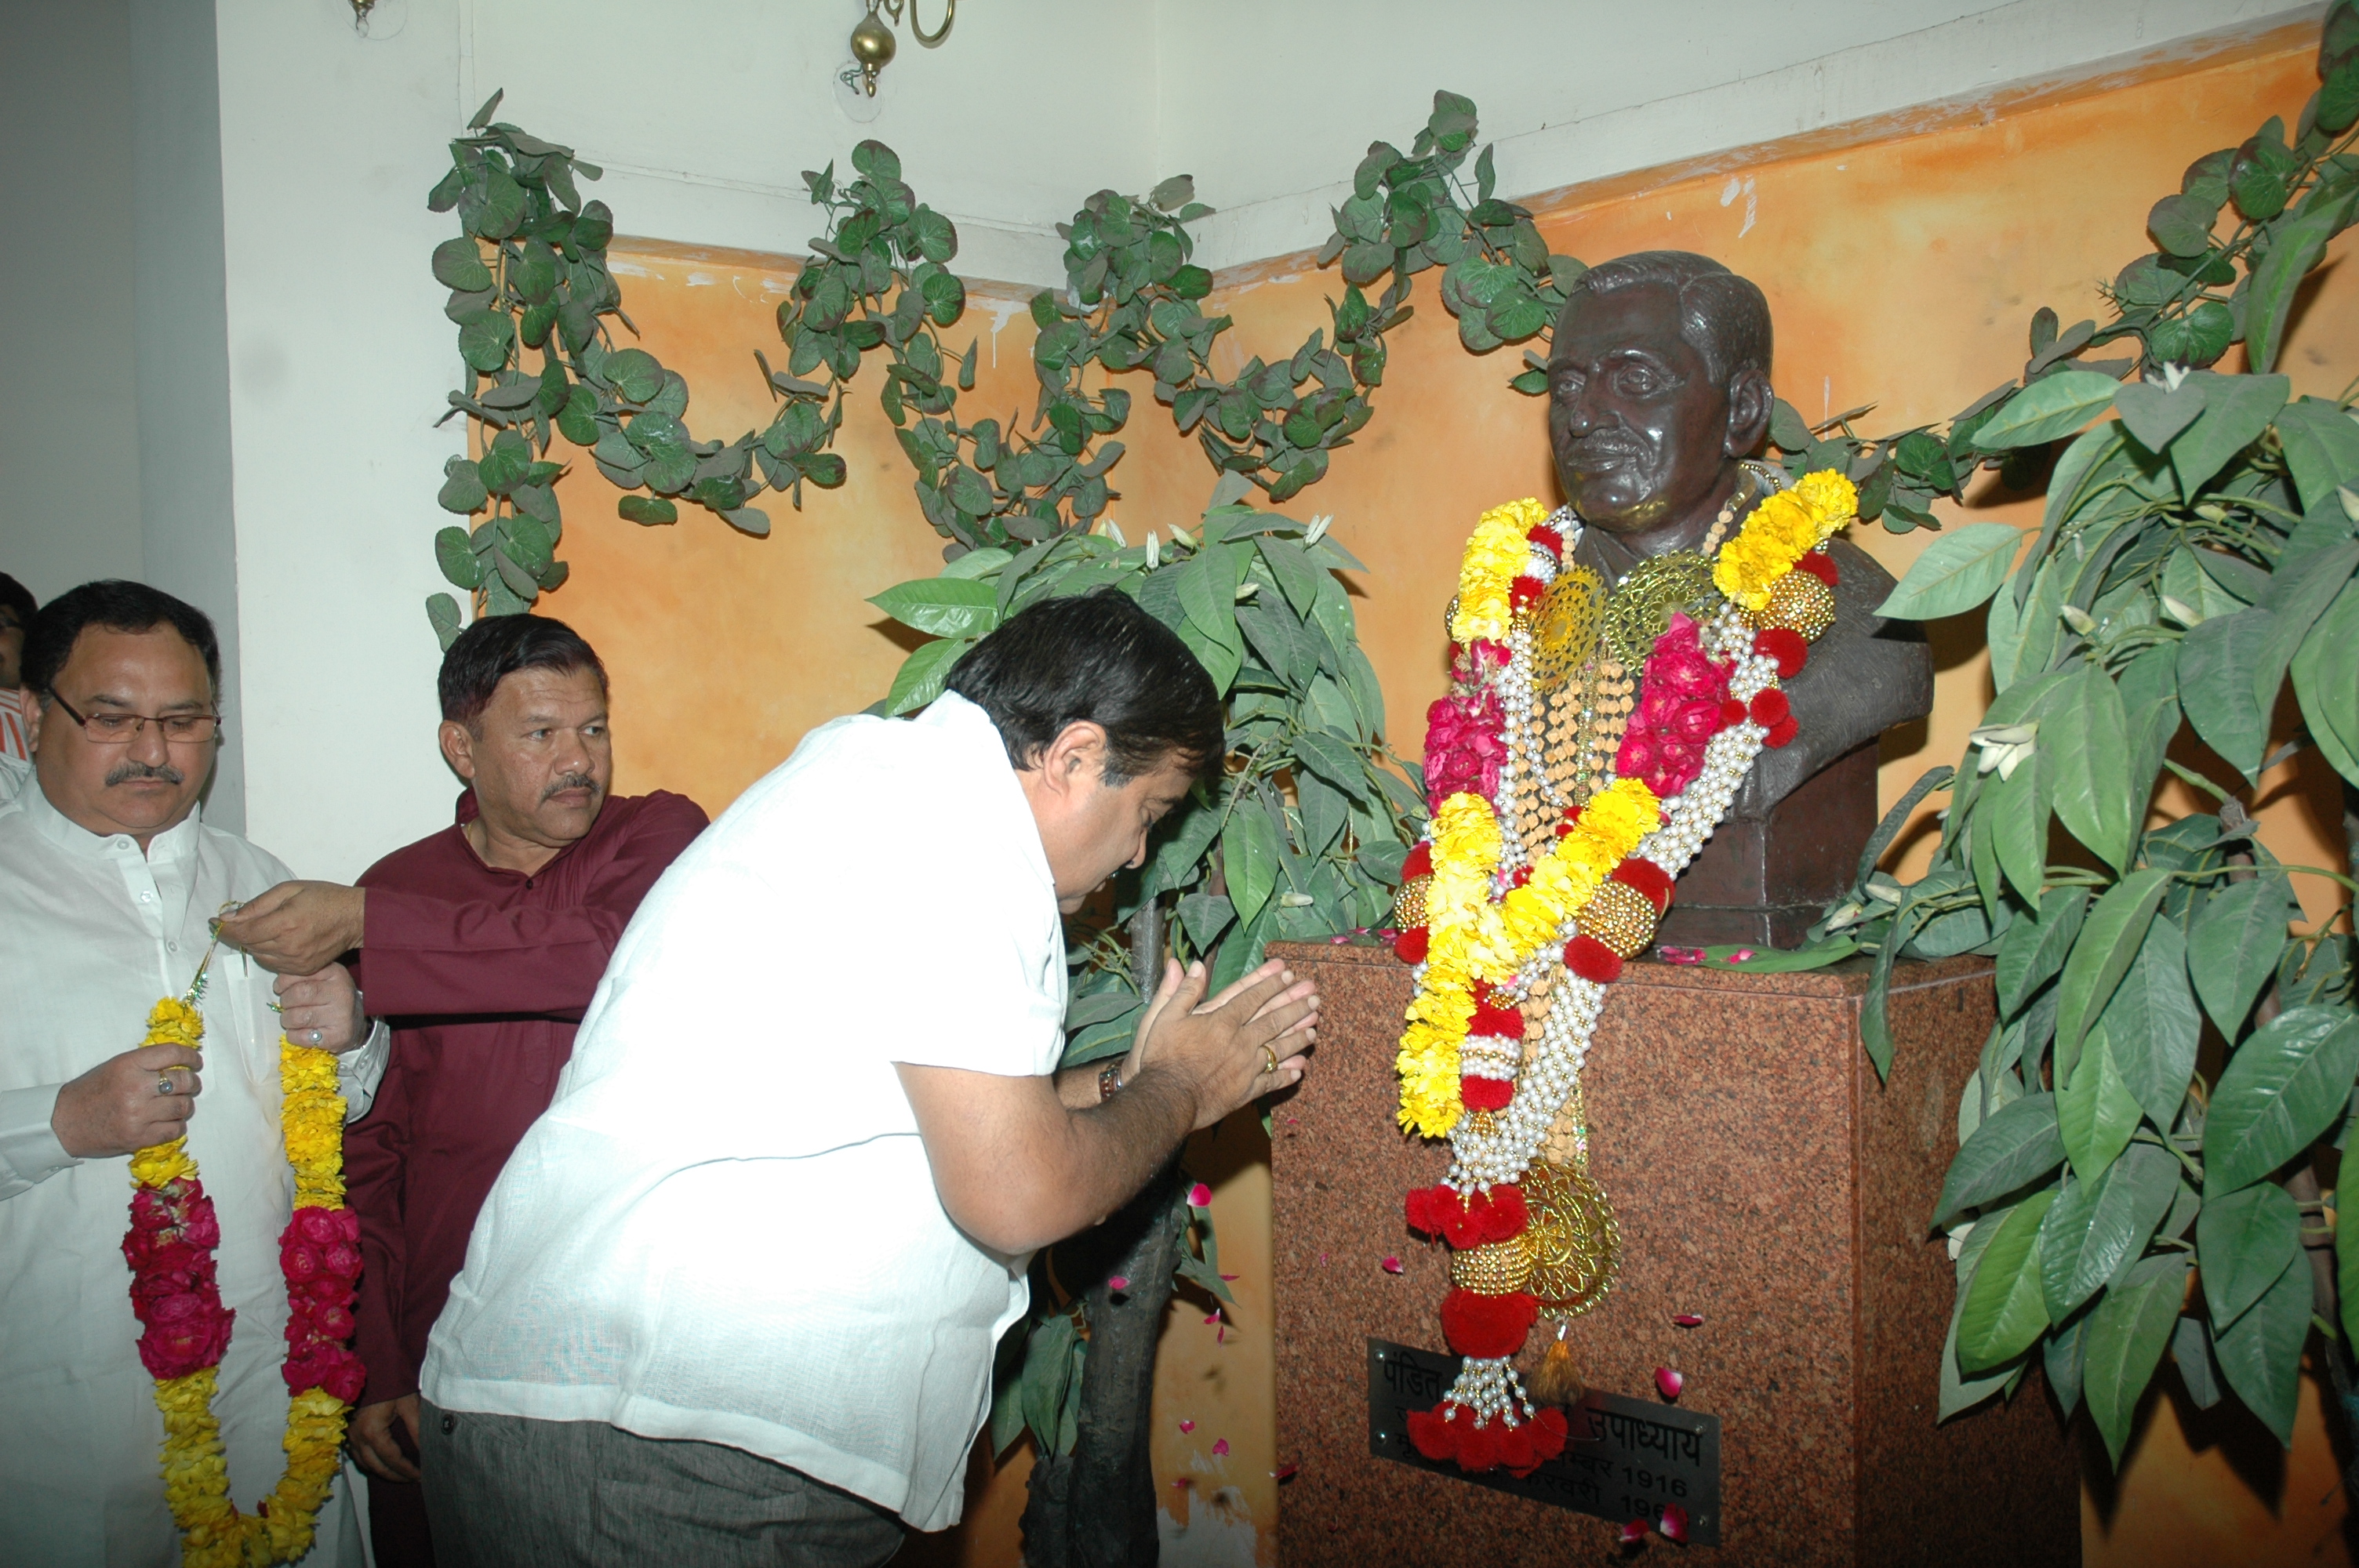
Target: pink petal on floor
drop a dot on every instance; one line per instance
(1199, 1196)
(1284, 1472)
(1741, 956)
(1392, 1265)
(1633, 1532)
(1680, 954)
(1221, 1335)
(1118, 1281)
(1219, 1448)
(1227, 1277)
(1183, 1481)
(1187, 1426)
(1687, 1319)
(1322, 1259)
(1670, 1383)
(1674, 1524)
(1211, 1318)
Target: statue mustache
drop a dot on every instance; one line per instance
(127, 769)
(569, 781)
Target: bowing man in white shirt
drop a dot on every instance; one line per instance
(108, 877)
(734, 1297)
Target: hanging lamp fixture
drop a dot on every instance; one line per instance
(874, 44)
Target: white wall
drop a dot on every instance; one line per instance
(69, 428)
(339, 358)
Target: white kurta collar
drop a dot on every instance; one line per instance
(176, 843)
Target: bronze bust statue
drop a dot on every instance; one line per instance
(1659, 390)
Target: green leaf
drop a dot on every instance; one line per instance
(2294, 249)
(2110, 938)
(923, 675)
(946, 607)
(442, 614)
(2321, 681)
(2236, 409)
(2048, 410)
(2097, 1228)
(458, 265)
(1780, 961)
(1958, 1393)
(1048, 1366)
(2217, 662)
(2086, 742)
(2301, 587)
(1250, 852)
(2243, 1242)
(2017, 1144)
(2190, 1347)
(2182, 224)
(2005, 1308)
(2260, 1353)
(2232, 949)
(2033, 950)
(1332, 759)
(1957, 571)
(455, 553)
(2124, 1341)
(647, 510)
(2282, 1089)
(463, 488)
(634, 373)
(2152, 1026)
(504, 467)
(2321, 446)
(578, 420)
(2095, 1110)
(484, 337)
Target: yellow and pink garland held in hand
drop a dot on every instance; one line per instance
(186, 1329)
(1708, 701)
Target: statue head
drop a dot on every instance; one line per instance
(1658, 383)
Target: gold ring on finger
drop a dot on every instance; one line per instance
(1271, 1053)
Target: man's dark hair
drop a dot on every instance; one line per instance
(17, 598)
(1102, 659)
(496, 647)
(117, 605)
(1722, 316)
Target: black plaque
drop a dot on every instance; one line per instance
(1624, 1458)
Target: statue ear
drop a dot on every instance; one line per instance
(1749, 402)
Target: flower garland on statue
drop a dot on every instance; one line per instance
(185, 1328)
(1488, 931)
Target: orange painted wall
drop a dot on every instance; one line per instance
(1902, 261)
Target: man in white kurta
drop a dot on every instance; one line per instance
(93, 930)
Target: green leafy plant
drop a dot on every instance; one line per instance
(2198, 557)
(528, 274)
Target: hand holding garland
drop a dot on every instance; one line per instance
(119, 1106)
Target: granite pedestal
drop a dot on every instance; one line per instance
(1765, 1182)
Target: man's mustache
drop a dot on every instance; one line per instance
(1600, 450)
(569, 781)
(127, 769)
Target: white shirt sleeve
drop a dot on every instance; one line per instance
(29, 1150)
(361, 1068)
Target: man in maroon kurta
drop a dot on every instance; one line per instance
(481, 946)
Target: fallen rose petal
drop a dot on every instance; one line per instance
(1229, 1276)
(1219, 1448)
(1187, 1426)
(1687, 1319)
(1118, 1281)
(1221, 1335)
(1674, 1524)
(1213, 1317)
(1283, 1472)
(1680, 954)
(1392, 1265)
(1199, 1196)
(1742, 954)
(1183, 1481)
(1668, 1382)
(1633, 1531)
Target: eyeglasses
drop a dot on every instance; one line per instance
(120, 729)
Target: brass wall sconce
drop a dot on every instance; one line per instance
(874, 44)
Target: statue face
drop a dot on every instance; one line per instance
(1639, 427)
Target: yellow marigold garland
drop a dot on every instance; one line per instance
(1471, 938)
(1493, 558)
(1783, 529)
(170, 1212)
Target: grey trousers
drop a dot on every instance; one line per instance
(506, 1492)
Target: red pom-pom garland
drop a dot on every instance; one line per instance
(1593, 960)
(1785, 646)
